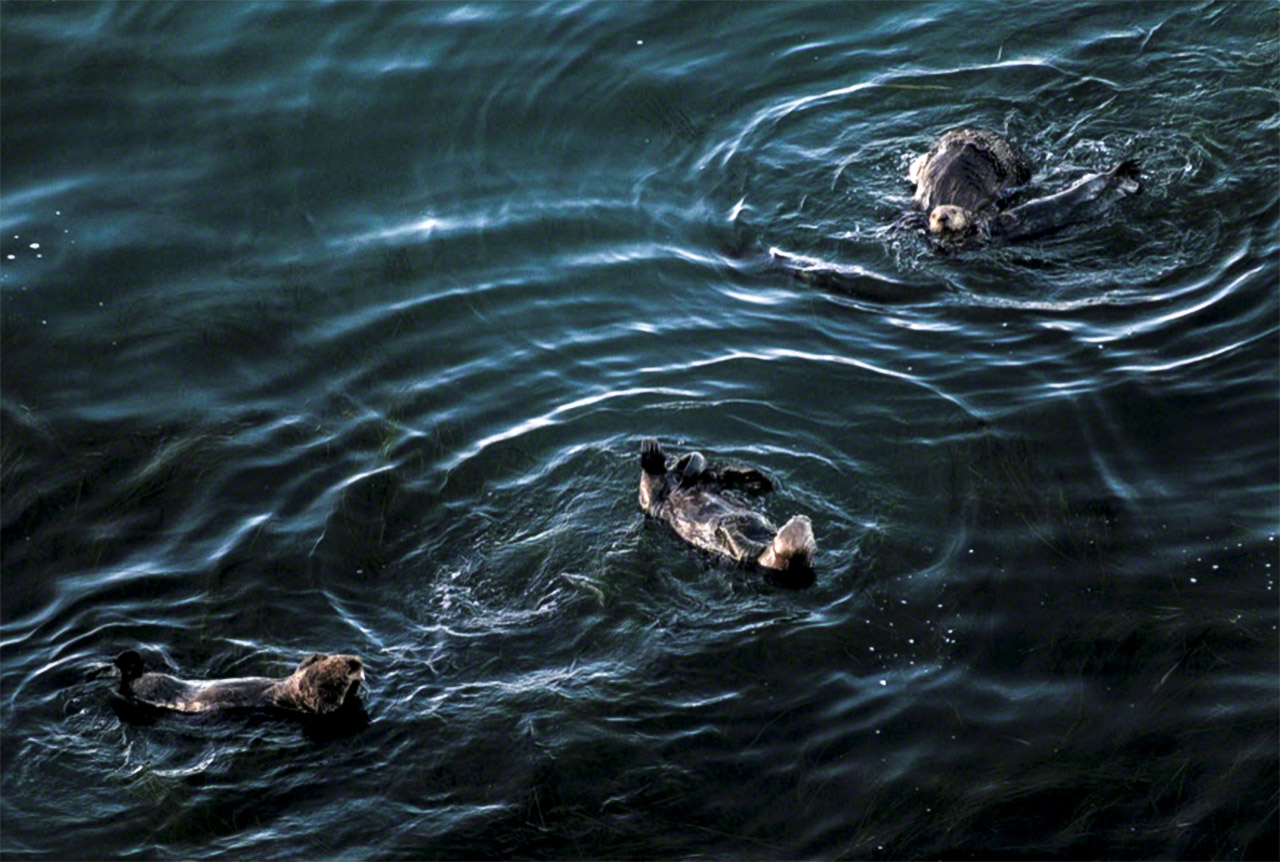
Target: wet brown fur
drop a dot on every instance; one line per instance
(967, 168)
(959, 181)
(320, 684)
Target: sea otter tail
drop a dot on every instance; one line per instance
(792, 548)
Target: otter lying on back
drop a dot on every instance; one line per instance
(690, 496)
(320, 684)
(960, 180)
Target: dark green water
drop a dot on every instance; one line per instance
(337, 327)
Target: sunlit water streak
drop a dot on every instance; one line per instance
(338, 328)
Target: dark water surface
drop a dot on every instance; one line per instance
(337, 327)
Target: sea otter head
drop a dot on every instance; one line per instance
(322, 683)
(949, 221)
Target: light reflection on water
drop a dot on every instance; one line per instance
(344, 326)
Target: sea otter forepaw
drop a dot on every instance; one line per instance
(652, 461)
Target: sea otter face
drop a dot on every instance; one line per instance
(324, 682)
(949, 221)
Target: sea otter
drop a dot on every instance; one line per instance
(320, 684)
(960, 181)
(690, 495)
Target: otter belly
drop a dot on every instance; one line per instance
(717, 523)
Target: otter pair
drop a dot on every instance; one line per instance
(694, 498)
(960, 180)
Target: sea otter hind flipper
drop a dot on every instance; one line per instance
(652, 461)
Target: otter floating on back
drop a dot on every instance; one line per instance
(321, 684)
(690, 495)
(960, 181)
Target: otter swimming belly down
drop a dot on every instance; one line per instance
(693, 498)
(320, 684)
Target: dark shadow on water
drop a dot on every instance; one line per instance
(789, 580)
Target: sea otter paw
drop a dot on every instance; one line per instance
(652, 461)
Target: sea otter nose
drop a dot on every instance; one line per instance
(354, 666)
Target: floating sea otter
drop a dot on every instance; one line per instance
(959, 183)
(690, 495)
(321, 684)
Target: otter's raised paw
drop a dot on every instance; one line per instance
(652, 461)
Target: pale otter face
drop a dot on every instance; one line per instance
(949, 220)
